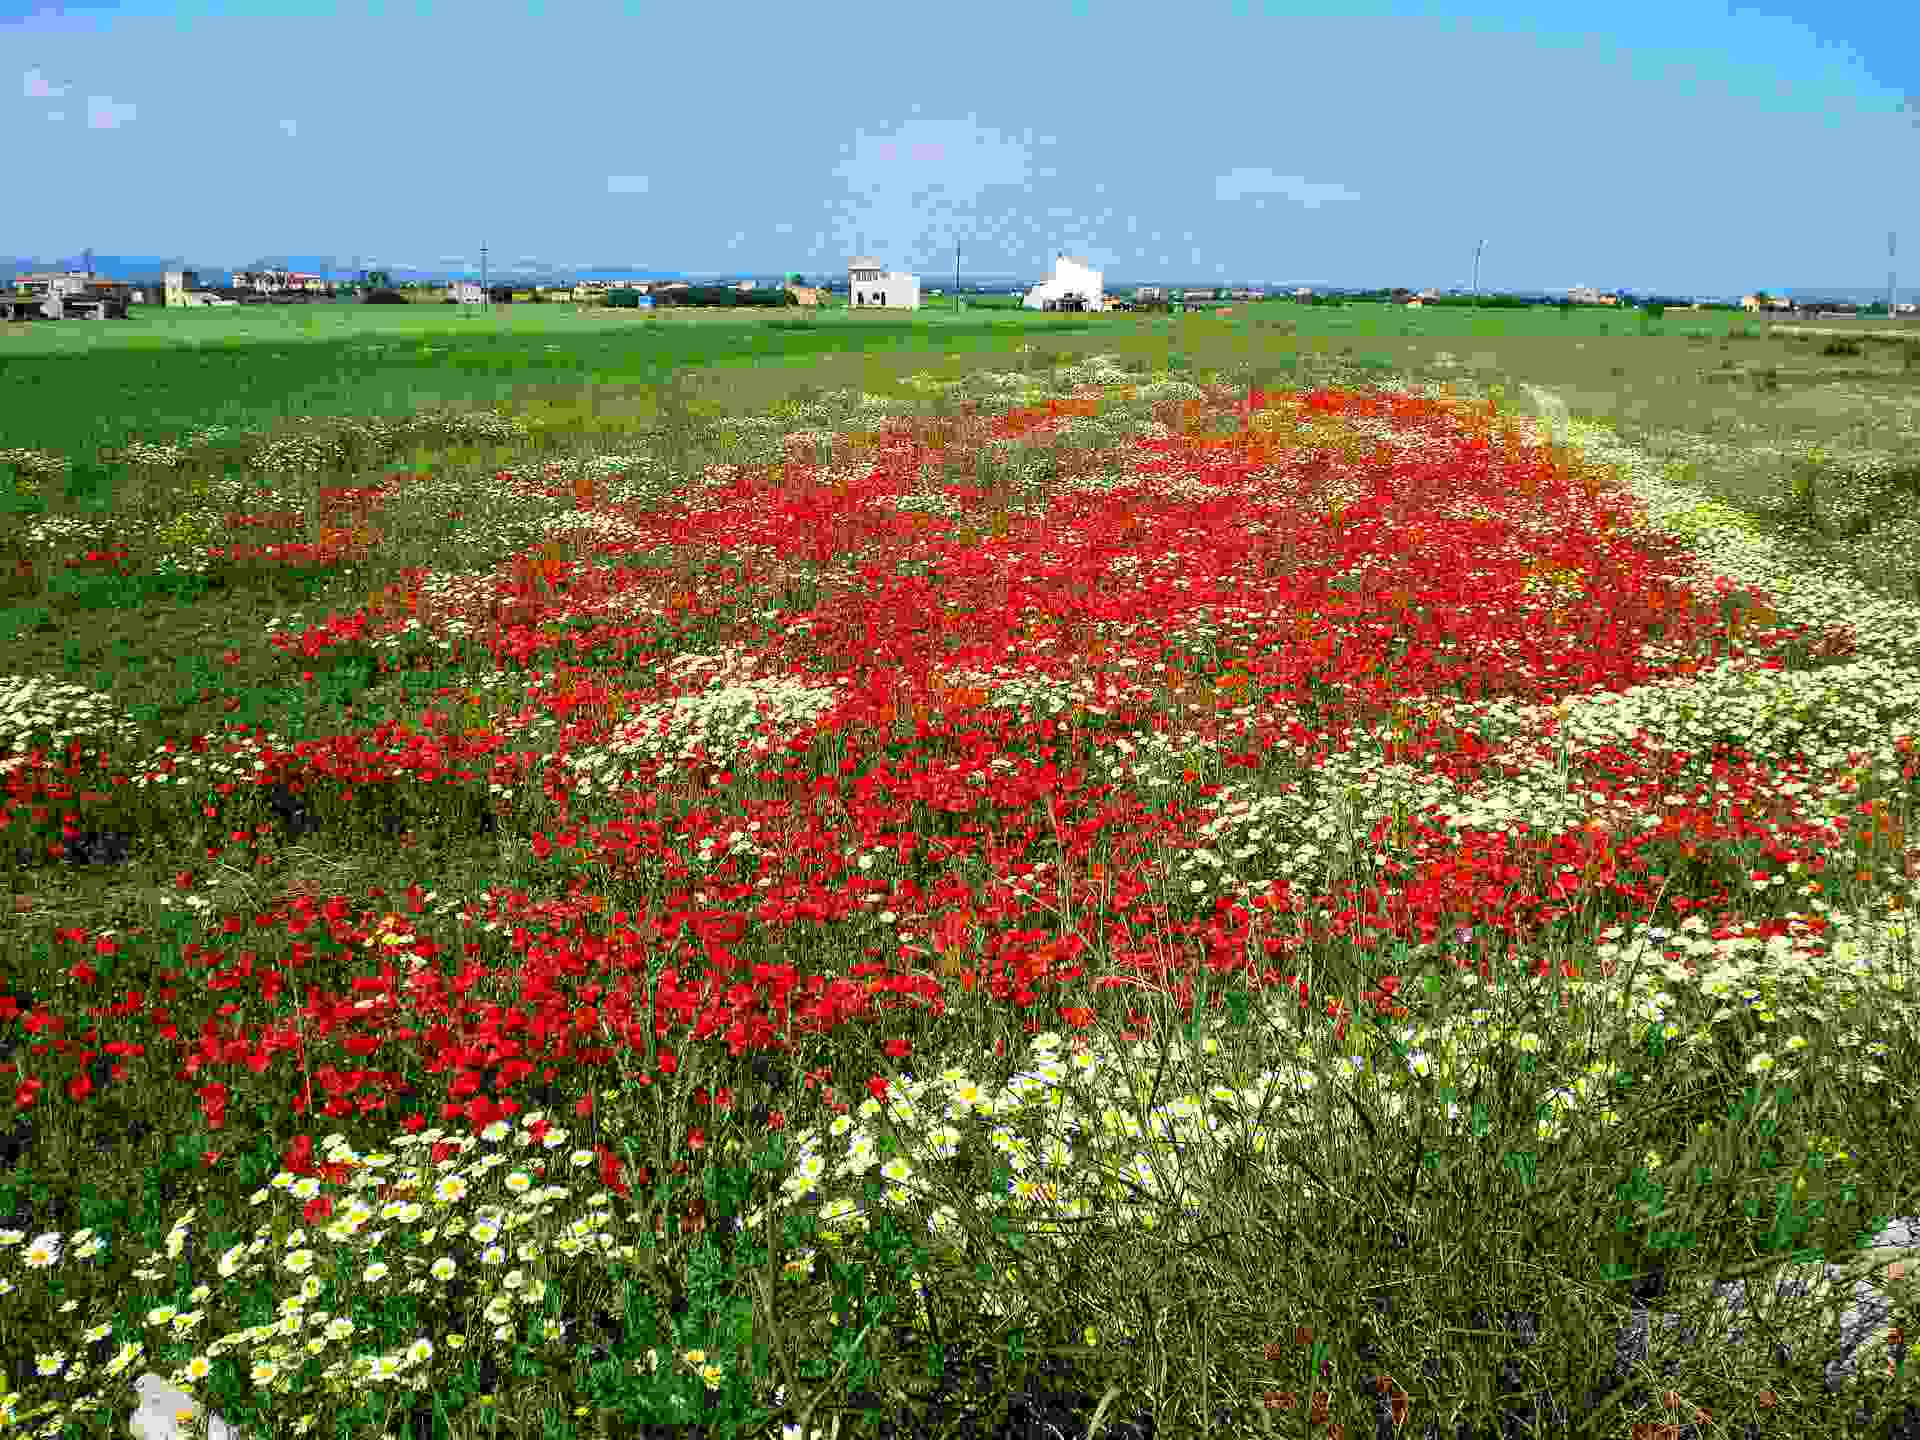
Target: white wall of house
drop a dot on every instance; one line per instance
(467, 292)
(1071, 276)
(868, 285)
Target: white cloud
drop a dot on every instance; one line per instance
(36, 87)
(104, 114)
(626, 184)
(292, 127)
(56, 114)
(1237, 184)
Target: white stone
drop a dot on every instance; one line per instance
(157, 1417)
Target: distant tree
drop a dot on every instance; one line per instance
(796, 279)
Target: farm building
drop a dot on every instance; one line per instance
(868, 285)
(68, 295)
(465, 292)
(1074, 285)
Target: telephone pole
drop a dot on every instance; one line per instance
(956, 276)
(1476, 273)
(1890, 239)
(486, 296)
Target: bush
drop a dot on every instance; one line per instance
(1841, 347)
(386, 297)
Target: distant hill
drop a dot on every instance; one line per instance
(331, 267)
(111, 267)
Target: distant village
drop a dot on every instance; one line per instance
(1074, 285)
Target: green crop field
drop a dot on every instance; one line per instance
(173, 371)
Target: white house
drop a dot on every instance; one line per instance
(868, 285)
(466, 292)
(52, 283)
(1072, 277)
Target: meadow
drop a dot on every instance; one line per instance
(172, 371)
(1279, 874)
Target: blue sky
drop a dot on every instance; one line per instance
(1675, 147)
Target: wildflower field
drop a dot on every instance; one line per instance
(1096, 894)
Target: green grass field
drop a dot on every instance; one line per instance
(570, 873)
(172, 371)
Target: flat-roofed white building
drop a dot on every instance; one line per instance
(869, 285)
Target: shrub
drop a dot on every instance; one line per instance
(386, 297)
(1841, 347)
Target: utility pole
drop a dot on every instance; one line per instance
(956, 276)
(1476, 273)
(1890, 238)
